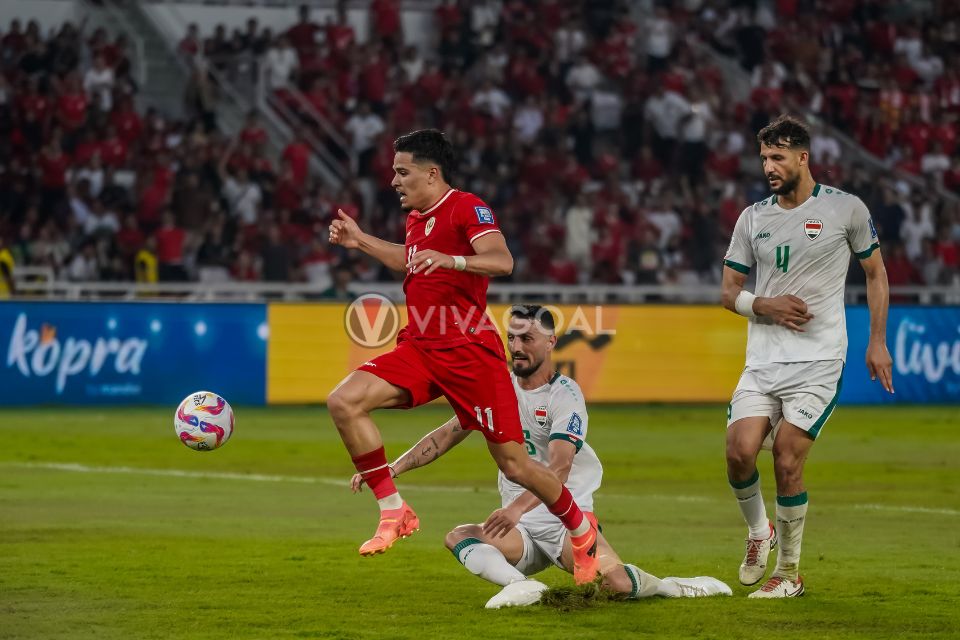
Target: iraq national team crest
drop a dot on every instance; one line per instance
(429, 228)
(540, 415)
(812, 228)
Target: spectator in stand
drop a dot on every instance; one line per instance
(364, 126)
(304, 35)
(339, 290)
(243, 196)
(85, 266)
(98, 82)
(276, 258)
(281, 63)
(145, 263)
(171, 244)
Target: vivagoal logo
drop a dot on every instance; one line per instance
(371, 320)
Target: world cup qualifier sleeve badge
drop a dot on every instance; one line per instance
(812, 228)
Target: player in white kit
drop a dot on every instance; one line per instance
(799, 242)
(523, 538)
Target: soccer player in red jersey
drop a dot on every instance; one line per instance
(449, 347)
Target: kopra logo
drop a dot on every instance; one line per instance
(372, 320)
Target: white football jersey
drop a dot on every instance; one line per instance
(805, 252)
(556, 411)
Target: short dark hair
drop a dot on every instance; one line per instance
(534, 312)
(430, 145)
(786, 132)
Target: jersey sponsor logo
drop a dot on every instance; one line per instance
(812, 228)
(540, 415)
(484, 215)
(873, 229)
(575, 426)
(805, 413)
(763, 235)
(432, 221)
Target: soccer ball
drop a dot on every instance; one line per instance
(203, 421)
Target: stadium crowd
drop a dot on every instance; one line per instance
(611, 154)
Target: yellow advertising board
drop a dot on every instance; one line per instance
(616, 353)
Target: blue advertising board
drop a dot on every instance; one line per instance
(924, 343)
(129, 353)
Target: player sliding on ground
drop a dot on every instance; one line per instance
(523, 537)
(449, 348)
(800, 239)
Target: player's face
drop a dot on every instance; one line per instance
(413, 181)
(529, 345)
(781, 166)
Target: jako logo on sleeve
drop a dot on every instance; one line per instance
(484, 215)
(40, 353)
(575, 426)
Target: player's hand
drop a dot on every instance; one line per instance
(880, 364)
(787, 311)
(501, 522)
(345, 231)
(357, 481)
(430, 260)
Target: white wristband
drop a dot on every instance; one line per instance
(459, 263)
(744, 304)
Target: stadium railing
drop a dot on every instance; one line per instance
(37, 285)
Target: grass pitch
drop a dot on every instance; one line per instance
(110, 528)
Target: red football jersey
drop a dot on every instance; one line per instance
(447, 307)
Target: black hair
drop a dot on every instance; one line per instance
(534, 312)
(785, 132)
(428, 145)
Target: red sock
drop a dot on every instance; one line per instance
(373, 467)
(567, 510)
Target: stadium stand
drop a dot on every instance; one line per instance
(609, 142)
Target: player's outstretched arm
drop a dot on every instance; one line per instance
(345, 232)
(501, 521)
(787, 311)
(879, 362)
(429, 448)
(492, 258)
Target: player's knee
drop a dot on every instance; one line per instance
(740, 457)
(461, 533)
(343, 403)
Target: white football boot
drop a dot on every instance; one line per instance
(699, 587)
(755, 560)
(518, 594)
(777, 587)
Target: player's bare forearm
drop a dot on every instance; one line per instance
(730, 288)
(878, 296)
(431, 446)
(392, 255)
(878, 360)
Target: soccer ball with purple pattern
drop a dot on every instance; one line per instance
(203, 421)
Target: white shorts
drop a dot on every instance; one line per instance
(542, 544)
(801, 393)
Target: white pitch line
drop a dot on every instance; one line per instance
(336, 482)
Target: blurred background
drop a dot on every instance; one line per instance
(196, 151)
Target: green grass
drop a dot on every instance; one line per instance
(105, 553)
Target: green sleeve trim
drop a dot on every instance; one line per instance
(736, 266)
(554, 378)
(792, 501)
(816, 190)
(866, 253)
(577, 442)
(463, 544)
(746, 483)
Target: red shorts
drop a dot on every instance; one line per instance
(473, 379)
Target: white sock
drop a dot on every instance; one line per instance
(486, 561)
(750, 500)
(392, 501)
(791, 514)
(644, 584)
